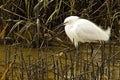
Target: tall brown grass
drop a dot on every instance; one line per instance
(23, 16)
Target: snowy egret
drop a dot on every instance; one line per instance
(83, 30)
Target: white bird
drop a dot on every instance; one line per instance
(83, 30)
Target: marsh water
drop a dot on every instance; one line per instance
(90, 62)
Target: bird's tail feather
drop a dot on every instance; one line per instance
(108, 31)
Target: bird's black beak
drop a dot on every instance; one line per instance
(62, 24)
(58, 26)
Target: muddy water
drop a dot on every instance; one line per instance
(58, 63)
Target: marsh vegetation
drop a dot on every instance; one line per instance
(33, 47)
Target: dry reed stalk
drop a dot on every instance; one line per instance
(6, 71)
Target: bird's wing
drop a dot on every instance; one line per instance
(87, 31)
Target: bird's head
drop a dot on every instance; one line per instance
(70, 20)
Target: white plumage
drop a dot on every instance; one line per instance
(83, 30)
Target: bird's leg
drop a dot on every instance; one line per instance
(77, 50)
(102, 59)
(92, 63)
(77, 60)
(91, 47)
(80, 60)
(102, 50)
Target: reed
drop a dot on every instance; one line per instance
(33, 23)
(24, 15)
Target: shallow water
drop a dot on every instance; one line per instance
(58, 63)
